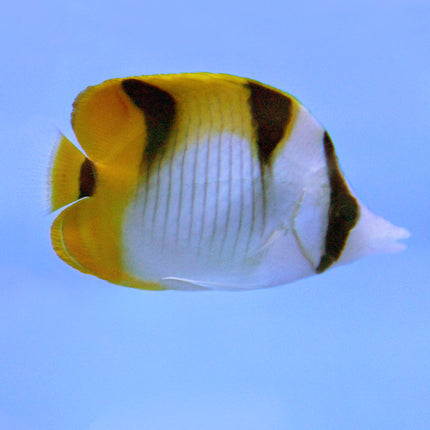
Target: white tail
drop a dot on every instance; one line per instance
(372, 234)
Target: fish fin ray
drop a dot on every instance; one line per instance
(64, 174)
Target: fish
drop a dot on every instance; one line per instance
(201, 181)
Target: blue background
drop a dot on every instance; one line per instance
(349, 349)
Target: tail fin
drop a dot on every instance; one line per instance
(373, 234)
(65, 174)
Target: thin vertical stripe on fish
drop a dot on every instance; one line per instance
(204, 181)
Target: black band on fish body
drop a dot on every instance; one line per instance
(343, 212)
(271, 113)
(159, 109)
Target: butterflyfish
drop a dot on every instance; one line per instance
(204, 181)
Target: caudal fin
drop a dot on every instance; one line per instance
(373, 234)
(65, 174)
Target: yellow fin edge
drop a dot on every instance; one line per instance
(58, 242)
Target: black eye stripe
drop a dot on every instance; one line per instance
(87, 179)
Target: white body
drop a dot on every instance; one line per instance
(205, 221)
